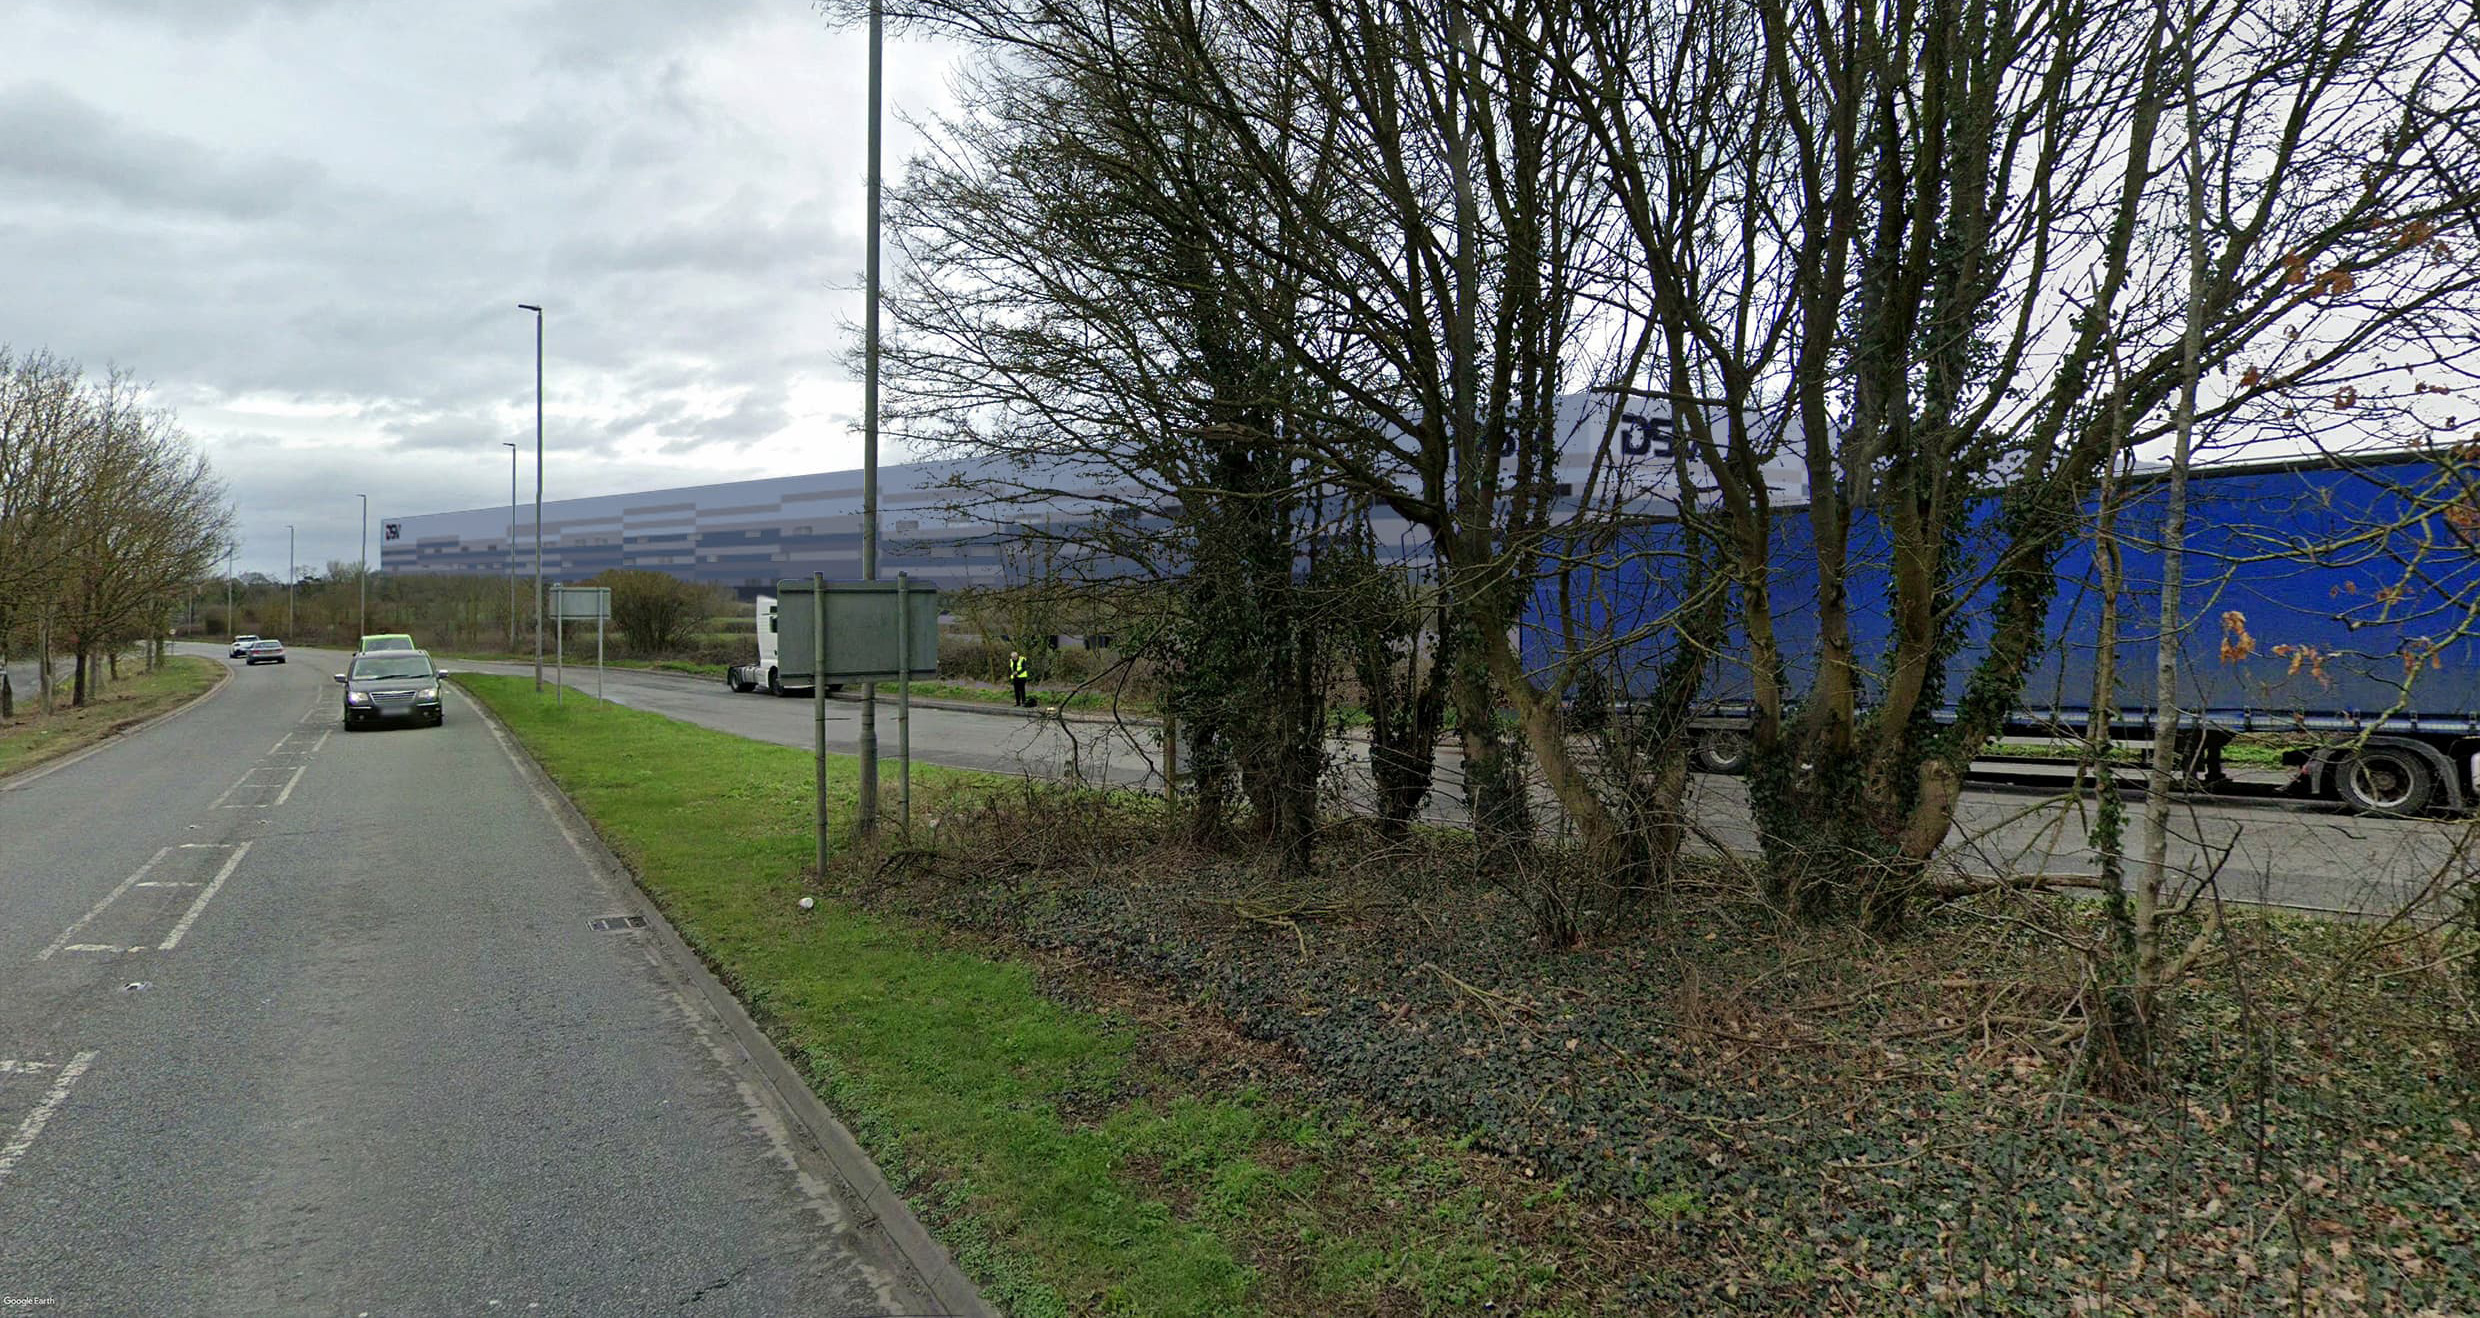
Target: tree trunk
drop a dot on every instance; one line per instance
(77, 693)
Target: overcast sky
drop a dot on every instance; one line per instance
(308, 224)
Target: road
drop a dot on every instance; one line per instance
(2259, 851)
(300, 1022)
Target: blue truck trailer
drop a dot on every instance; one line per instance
(2331, 601)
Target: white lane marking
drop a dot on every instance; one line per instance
(11, 1066)
(167, 883)
(100, 947)
(284, 744)
(292, 780)
(237, 786)
(35, 1121)
(173, 939)
(115, 895)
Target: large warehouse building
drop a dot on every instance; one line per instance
(747, 535)
(743, 535)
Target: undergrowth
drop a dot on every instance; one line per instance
(1763, 1118)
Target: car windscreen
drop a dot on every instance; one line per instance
(369, 669)
(377, 643)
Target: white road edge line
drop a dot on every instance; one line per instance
(36, 1120)
(173, 939)
(115, 895)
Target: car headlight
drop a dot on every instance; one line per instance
(356, 698)
(430, 693)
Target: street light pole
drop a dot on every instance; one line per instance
(291, 573)
(511, 446)
(365, 631)
(538, 479)
(868, 814)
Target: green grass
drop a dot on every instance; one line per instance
(31, 738)
(1051, 697)
(959, 1074)
(646, 665)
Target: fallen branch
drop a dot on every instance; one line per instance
(1499, 1005)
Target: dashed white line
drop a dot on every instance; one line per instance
(115, 895)
(292, 779)
(32, 1127)
(173, 939)
(12, 1066)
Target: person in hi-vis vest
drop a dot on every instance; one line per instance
(1018, 675)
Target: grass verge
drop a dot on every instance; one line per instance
(32, 737)
(644, 665)
(1083, 1150)
(1050, 697)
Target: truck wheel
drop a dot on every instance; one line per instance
(774, 682)
(2386, 780)
(1721, 751)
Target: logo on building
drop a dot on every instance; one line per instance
(390, 530)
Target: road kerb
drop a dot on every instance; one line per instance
(876, 1203)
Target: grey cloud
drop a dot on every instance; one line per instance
(698, 257)
(203, 15)
(56, 142)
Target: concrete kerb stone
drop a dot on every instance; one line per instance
(865, 1191)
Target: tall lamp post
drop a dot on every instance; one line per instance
(365, 631)
(538, 478)
(868, 820)
(291, 574)
(511, 446)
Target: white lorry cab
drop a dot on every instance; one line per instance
(767, 674)
(764, 673)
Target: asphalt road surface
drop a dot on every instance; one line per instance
(2285, 853)
(295, 1021)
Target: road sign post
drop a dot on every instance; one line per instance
(579, 603)
(867, 631)
(904, 705)
(818, 705)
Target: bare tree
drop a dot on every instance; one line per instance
(1897, 244)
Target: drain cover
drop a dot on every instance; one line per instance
(612, 923)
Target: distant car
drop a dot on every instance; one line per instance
(241, 645)
(396, 686)
(264, 652)
(388, 643)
